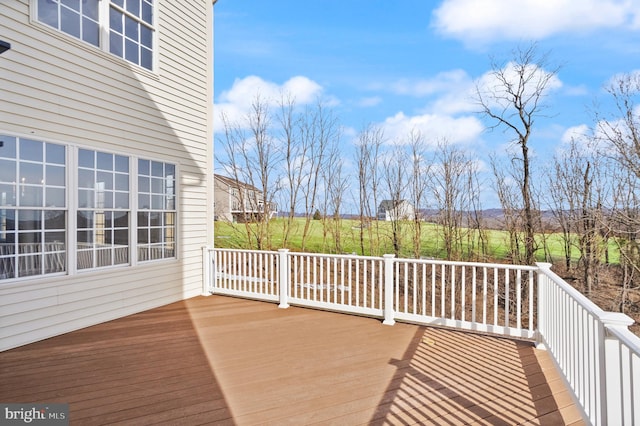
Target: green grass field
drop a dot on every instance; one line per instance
(234, 235)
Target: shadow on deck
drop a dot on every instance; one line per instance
(221, 360)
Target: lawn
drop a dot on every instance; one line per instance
(378, 240)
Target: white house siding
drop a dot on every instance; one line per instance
(55, 88)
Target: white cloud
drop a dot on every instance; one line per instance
(433, 127)
(236, 102)
(458, 94)
(493, 89)
(443, 82)
(452, 92)
(479, 22)
(370, 101)
(577, 133)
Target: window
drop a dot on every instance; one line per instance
(34, 216)
(131, 31)
(32, 207)
(129, 25)
(103, 209)
(156, 210)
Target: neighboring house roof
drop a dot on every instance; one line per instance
(390, 204)
(234, 183)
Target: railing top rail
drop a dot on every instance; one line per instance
(462, 263)
(395, 259)
(337, 256)
(242, 250)
(625, 336)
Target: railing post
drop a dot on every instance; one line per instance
(389, 312)
(283, 277)
(207, 278)
(541, 314)
(611, 387)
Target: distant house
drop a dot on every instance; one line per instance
(237, 201)
(390, 210)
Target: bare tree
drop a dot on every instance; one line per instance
(477, 238)
(619, 136)
(395, 179)
(370, 141)
(562, 192)
(448, 186)
(336, 185)
(590, 218)
(418, 181)
(622, 131)
(319, 129)
(624, 224)
(251, 157)
(507, 192)
(513, 100)
(294, 152)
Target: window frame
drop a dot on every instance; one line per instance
(151, 210)
(104, 10)
(72, 207)
(31, 200)
(95, 252)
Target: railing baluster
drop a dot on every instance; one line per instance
(380, 284)
(443, 291)
(531, 310)
(484, 295)
(372, 291)
(433, 289)
(463, 291)
(453, 292)
(375, 282)
(406, 287)
(473, 294)
(424, 289)
(315, 278)
(496, 291)
(518, 299)
(507, 299)
(350, 263)
(357, 282)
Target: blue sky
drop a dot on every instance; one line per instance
(414, 64)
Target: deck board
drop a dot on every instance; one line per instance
(221, 360)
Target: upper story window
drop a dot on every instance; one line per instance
(128, 25)
(131, 31)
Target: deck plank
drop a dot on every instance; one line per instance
(221, 360)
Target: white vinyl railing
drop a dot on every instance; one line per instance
(484, 297)
(594, 349)
(596, 353)
(245, 273)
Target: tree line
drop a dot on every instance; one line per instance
(294, 156)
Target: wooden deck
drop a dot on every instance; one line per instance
(220, 360)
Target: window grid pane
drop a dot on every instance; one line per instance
(79, 19)
(102, 238)
(103, 217)
(32, 231)
(156, 210)
(129, 25)
(131, 31)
